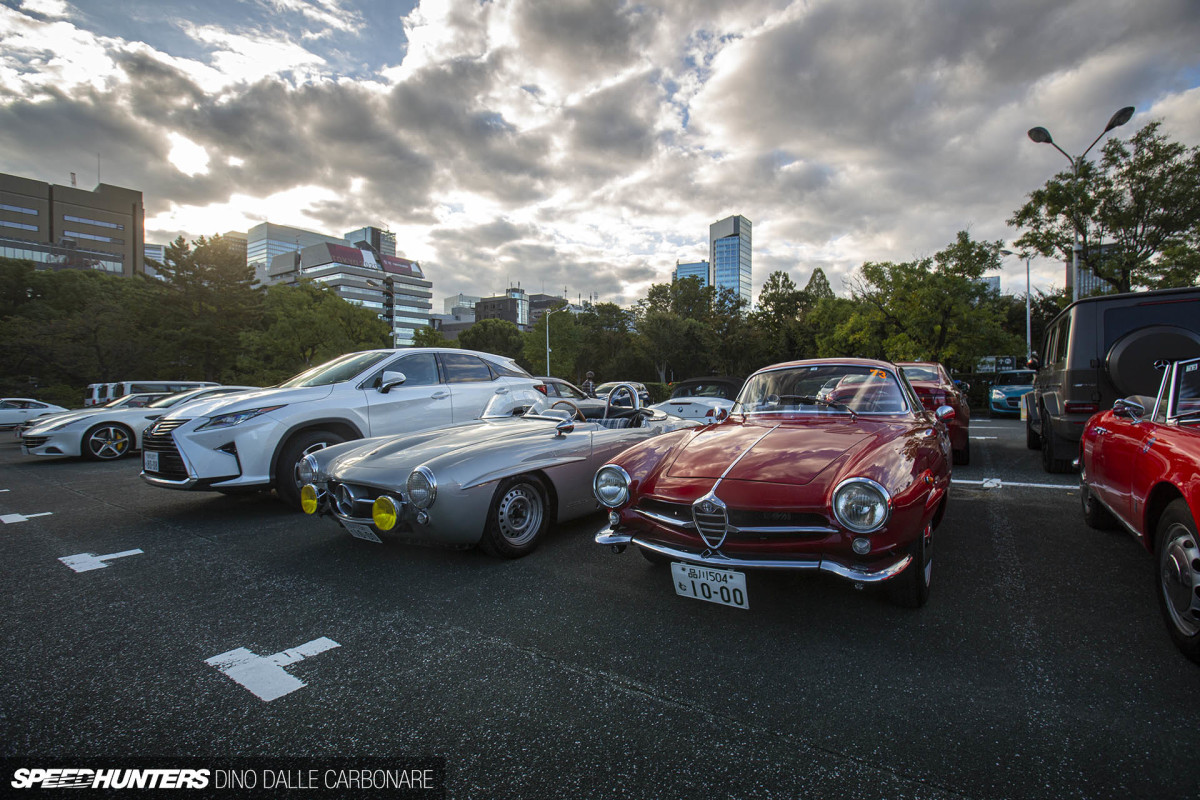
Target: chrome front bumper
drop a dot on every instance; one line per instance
(607, 536)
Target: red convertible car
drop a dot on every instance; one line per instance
(853, 483)
(937, 389)
(1141, 467)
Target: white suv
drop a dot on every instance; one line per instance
(253, 441)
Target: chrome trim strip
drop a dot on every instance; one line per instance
(783, 529)
(665, 520)
(187, 483)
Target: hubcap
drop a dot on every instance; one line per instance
(520, 515)
(1179, 574)
(109, 443)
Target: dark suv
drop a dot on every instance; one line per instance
(1098, 350)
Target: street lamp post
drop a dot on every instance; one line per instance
(547, 315)
(1042, 136)
(1028, 343)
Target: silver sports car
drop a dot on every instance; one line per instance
(498, 481)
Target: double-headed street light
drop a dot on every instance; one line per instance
(547, 316)
(1042, 136)
(1028, 343)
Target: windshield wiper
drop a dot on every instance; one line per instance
(810, 400)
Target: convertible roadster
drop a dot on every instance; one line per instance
(853, 483)
(498, 482)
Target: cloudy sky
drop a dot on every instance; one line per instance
(588, 144)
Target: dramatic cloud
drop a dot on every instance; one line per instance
(588, 144)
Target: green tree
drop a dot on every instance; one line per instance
(1137, 213)
(566, 340)
(429, 336)
(498, 336)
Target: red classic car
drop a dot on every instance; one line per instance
(853, 483)
(937, 389)
(1141, 467)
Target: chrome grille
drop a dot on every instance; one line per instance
(158, 439)
(352, 501)
(34, 441)
(712, 520)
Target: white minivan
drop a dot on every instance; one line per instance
(100, 393)
(254, 440)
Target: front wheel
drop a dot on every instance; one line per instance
(517, 519)
(107, 442)
(1178, 578)
(910, 589)
(287, 476)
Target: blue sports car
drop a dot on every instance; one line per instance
(1005, 395)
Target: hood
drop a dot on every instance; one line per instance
(789, 453)
(242, 401)
(61, 417)
(399, 455)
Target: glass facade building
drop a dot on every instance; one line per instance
(696, 269)
(729, 252)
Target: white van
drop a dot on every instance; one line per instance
(100, 393)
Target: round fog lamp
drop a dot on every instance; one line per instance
(861, 546)
(614, 518)
(384, 513)
(308, 498)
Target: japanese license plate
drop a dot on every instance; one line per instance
(723, 586)
(360, 531)
(149, 461)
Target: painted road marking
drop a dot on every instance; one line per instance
(985, 437)
(264, 675)
(996, 483)
(10, 518)
(85, 562)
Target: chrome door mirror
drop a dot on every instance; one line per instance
(1128, 408)
(391, 380)
(944, 413)
(564, 427)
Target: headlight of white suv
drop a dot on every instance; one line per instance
(236, 417)
(861, 505)
(611, 486)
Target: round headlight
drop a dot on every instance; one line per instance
(861, 505)
(306, 470)
(611, 486)
(422, 488)
(384, 513)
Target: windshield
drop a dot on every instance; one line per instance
(823, 389)
(338, 370)
(1024, 378)
(524, 402)
(1187, 390)
(720, 390)
(176, 399)
(921, 373)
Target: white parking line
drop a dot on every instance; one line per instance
(264, 675)
(985, 437)
(8, 519)
(996, 483)
(86, 562)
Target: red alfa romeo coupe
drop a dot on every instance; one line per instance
(830, 465)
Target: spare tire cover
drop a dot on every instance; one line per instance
(1130, 361)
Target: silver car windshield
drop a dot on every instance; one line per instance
(823, 389)
(524, 403)
(338, 370)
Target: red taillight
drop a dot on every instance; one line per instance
(710, 413)
(541, 387)
(1080, 408)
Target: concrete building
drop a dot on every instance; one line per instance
(394, 287)
(266, 241)
(729, 253)
(700, 270)
(371, 238)
(513, 306)
(64, 227)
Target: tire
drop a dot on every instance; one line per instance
(1033, 440)
(1050, 461)
(1094, 514)
(963, 457)
(910, 589)
(517, 518)
(1177, 556)
(107, 442)
(657, 559)
(287, 484)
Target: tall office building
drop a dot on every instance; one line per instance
(394, 287)
(729, 245)
(513, 306)
(266, 241)
(695, 269)
(63, 227)
(381, 241)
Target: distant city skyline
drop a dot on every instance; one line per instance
(583, 144)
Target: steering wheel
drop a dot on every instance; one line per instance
(634, 398)
(578, 414)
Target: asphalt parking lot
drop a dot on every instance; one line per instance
(1039, 669)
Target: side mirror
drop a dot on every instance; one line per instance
(963, 386)
(391, 380)
(944, 413)
(564, 427)
(1033, 364)
(1128, 408)
(722, 414)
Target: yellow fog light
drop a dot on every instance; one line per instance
(308, 498)
(384, 513)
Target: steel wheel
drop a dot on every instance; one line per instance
(1179, 577)
(107, 442)
(519, 514)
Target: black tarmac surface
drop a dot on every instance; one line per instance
(1039, 669)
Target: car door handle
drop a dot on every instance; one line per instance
(439, 395)
(502, 391)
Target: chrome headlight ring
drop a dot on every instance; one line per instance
(611, 486)
(861, 505)
(421, 488)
